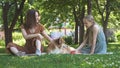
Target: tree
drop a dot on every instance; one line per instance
(79, 14)
(89, 7)
(74, 10)
(11, 11)
(105, 12)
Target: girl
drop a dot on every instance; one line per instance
(31, 31)
(94, 42)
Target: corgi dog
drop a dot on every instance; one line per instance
(59, 47)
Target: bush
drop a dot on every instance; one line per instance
(112, 38)
(68, 40)
(18, 38)
(118, 37)
(117, 34)
(2, 43)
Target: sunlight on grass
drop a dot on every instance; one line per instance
(18, 38)
(114, 42)
(2, 46)
(2, 43)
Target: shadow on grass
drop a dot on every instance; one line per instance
(2, 50)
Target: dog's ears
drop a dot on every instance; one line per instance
(61, 40)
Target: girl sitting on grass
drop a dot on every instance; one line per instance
(94, 42)
(31, 31)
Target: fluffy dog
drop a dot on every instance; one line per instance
(59, 47)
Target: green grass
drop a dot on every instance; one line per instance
(18, 38)
(63, 60)
(60, 61)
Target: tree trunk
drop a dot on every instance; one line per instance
(21, 19)
(105, 23)
(18, 11)
(104, 17)
(5, 9)
(89, 7)
(76, 26)
(105, 30)
(81, 31)
(8, 33)
(8, 36)
(79, 23)
(76, 33)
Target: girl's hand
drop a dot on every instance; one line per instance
(77, 51)
(41, 37)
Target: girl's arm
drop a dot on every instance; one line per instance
(82, 44)
(46, 36)
(95, 32)
(28, 36)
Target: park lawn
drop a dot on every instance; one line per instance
(63, 60)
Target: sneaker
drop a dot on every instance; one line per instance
(20, 53)
(38, 52)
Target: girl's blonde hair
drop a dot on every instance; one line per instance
(89, 18)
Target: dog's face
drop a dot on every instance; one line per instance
(59, 46)
(58, 42)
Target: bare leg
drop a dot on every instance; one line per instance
(16, 52)
(38, 47)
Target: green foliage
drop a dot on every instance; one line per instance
(1, 17)
(68, 40)
(113, 21)
(2, 42)
(18, 38)
(50, 10)
(63, 9)
(112, 38)
(118, 35)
